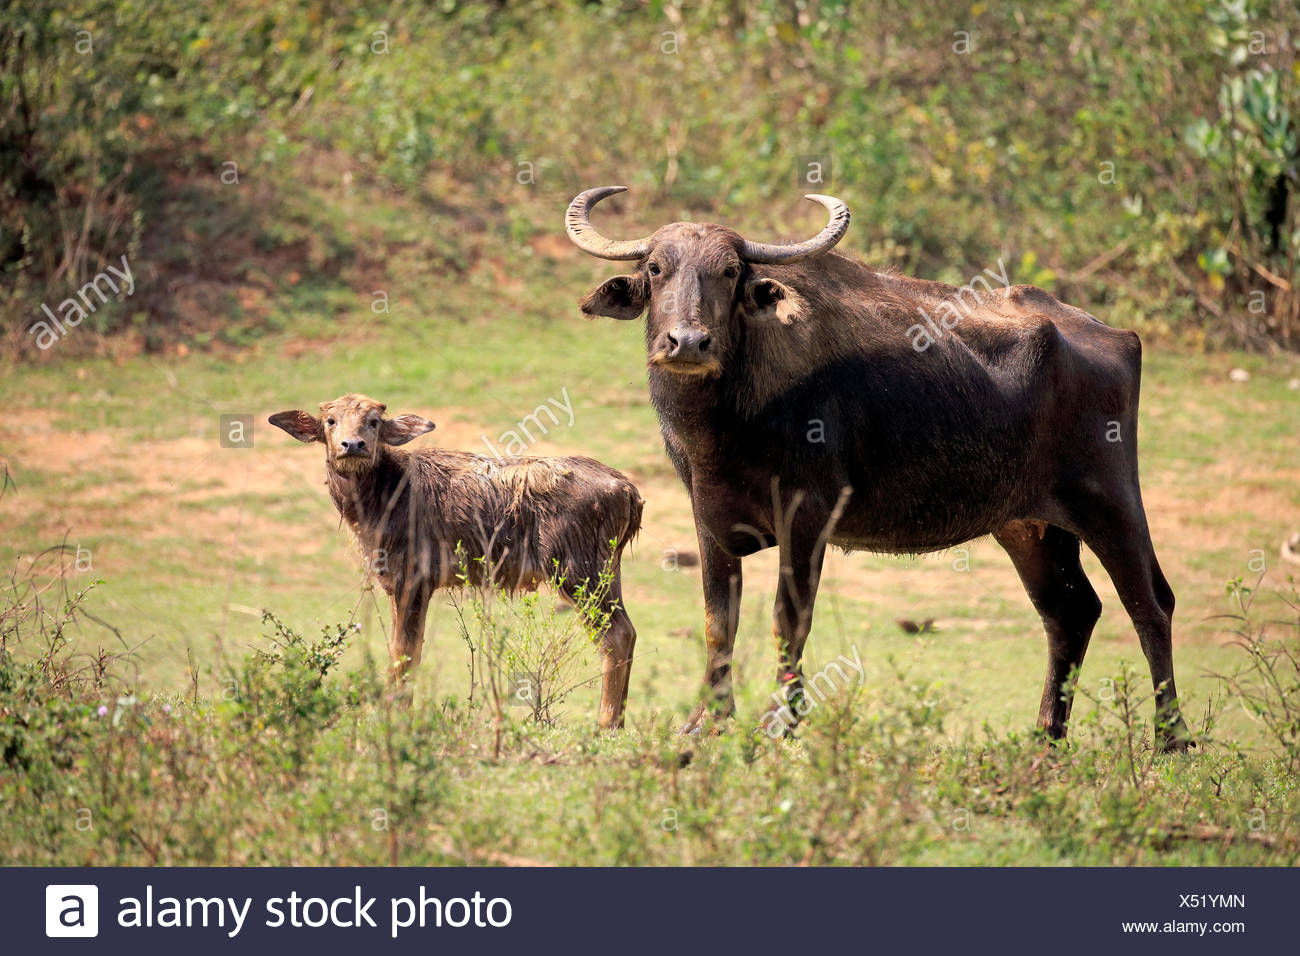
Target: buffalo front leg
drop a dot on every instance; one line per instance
(409, 609)
(801, 558)
(721, 575)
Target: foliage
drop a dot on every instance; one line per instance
(523, 655)
(1268, 683)
(1138, 160)
(95, 777)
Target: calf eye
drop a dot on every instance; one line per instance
(654, 269)
(374, 423)
(329, 422)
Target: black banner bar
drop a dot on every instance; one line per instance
(657, 911)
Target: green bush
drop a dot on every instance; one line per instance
(304, 763)
(1140, 160)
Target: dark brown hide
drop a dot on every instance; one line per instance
(799, 411)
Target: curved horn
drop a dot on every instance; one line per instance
(764, 253)
(577, 222)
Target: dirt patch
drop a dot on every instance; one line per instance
(554, 246)
(41, 446)
(267, 505)
(186, 487)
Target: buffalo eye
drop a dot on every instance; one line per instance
(654, 269)
(731, 271)
(329, 422)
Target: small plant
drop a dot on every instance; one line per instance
(46, 687)
(1268, 683)
(523, 654)
(281, 696)
(287, 682)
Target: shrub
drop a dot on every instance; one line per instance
(1148, 174)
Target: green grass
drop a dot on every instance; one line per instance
(302, 759)
(119, 455)
(192, 541)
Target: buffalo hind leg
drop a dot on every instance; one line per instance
(721, 574)
(1047, 560)
(618, 641)
(1117, 533)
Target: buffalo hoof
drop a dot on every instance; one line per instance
(779, 720)
(704, 722)
(1175, 740)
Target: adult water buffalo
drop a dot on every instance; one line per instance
(808, 400)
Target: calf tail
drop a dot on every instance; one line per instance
(632, 525)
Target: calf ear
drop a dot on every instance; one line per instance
(622, 297)
(400, 430)
(767, 299)
(299, 424)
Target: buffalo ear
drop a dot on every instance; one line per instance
(299, 424)
(622, 297)
(767, 299)
(400, 430)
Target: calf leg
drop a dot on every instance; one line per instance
(616, 669)
(618, 641)
(1116, 531)
(1048, 565)
(722, 585)
(409, 609)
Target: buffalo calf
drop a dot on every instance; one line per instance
(425, 518)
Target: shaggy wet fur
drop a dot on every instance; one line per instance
(519, 522)
(433, 519)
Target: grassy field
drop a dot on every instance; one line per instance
(316, 200)
(191, 541)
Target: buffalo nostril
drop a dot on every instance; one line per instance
(687, 343)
